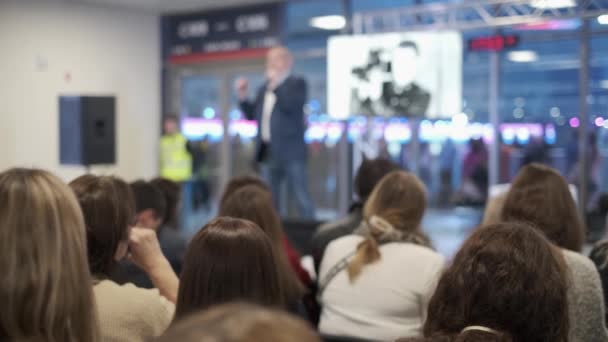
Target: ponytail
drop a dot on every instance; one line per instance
(368, 251)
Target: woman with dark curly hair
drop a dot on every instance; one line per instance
(506, 284)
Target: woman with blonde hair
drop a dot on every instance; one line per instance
(43, 261)
(376, 283)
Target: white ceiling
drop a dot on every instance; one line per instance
(172, 6)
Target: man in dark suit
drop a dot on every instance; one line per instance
(279, 110)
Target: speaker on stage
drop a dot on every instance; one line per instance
(87, 130)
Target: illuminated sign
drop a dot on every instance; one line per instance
(493, 43)
(223, 31)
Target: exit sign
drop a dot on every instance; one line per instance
(493, 43)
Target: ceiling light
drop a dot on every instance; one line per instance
(523, 56)
(328, 22)
(552, 4)
(603, 19)
(604, 84)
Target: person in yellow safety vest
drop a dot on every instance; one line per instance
(175, 158)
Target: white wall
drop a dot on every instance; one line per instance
(48, 48)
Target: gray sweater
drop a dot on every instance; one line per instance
(585, 300)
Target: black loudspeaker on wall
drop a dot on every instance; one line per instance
(87, 130)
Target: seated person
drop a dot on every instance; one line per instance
(46, 291)
(376, 283)
(540, 196)
(506, 284)
(172, 242)
(150, 208)
(599, 256)
(240, 323)
(127, 312)
(368, 175)
(254, 203)
(230, 260)
(292, 254)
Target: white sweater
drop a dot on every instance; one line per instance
(129, 313)
(388, 300)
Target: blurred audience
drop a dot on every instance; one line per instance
(240, 323)
(172, 242)
(519, 277)
(376, 283)
(230, 260)
(506, 284)
(540, 196)
(150, 208)
(43, 291)
(368, 175)
(474, 174)
(271, 217)
(599, 256)
(255, 204)
(126, 313)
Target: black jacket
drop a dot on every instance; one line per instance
(287, 124)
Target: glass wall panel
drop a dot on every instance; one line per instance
(539, 106)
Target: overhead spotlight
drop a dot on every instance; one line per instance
(522, 56)
(328, 22)
(603, 19)
(552, 4)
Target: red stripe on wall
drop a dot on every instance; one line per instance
(218, 56)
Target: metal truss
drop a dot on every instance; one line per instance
(473, 14)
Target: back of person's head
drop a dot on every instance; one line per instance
(254, 203)
(507, 283)
(370, 173)
(393, 211)
(229, 260)
(540, 196)
(109, 211)
(150, 204)
(240, 323)
(171, 191)
(468, 336)
(241, 181)
(46, 291)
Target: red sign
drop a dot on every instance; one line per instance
(493, 43)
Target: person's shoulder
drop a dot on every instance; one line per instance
(295, 79)
(128, 310)
(420, 252)
(134, 299)
(576, 259)
(579, 265)
(345, 242)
